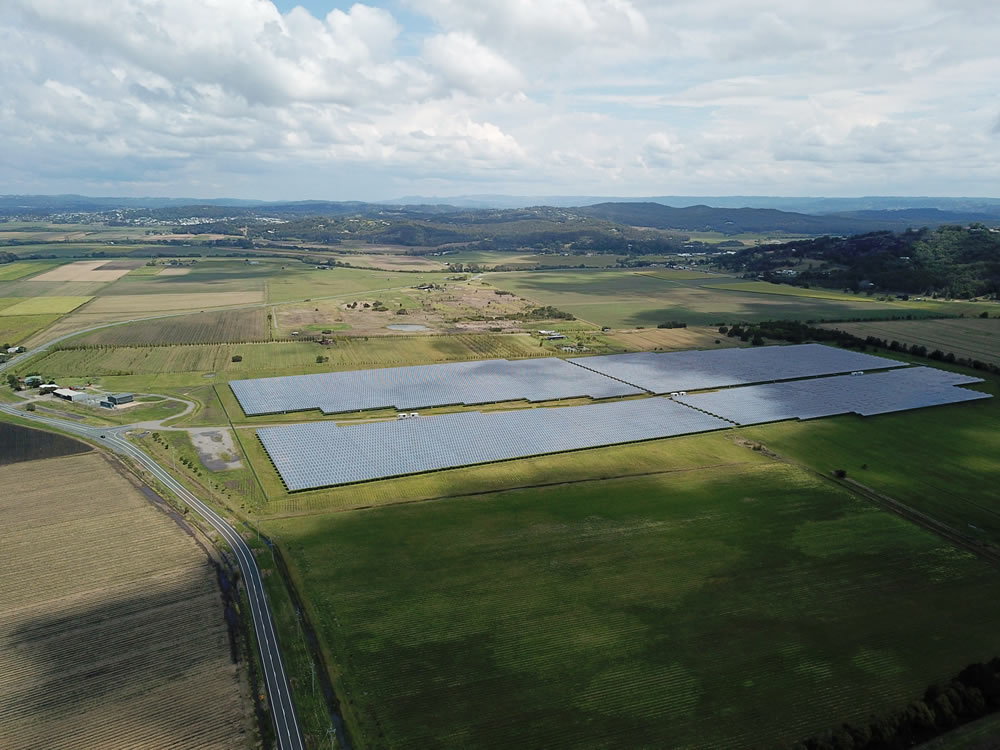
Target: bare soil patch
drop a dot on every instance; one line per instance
(174, 271)
(84, 270)
(216, 449)
(113, 633)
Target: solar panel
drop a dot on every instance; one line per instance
(879, 393)
(486, 381)
(719, 368)
(320, 454)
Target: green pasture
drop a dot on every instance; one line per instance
(15, 329)
(724, 608)
(188, 364)
(765, 287)
(14, 271)
(625, 299)
(942, 460)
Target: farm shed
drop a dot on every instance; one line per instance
(120, 398)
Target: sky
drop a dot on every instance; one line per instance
(339, 101)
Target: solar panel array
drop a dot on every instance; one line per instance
(718, 368)
(879, 393)
(482, 382)
(321, 454)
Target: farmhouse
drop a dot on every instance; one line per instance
(49, 388)
(33, 381)
(16, 350)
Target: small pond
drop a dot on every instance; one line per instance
(407, 327)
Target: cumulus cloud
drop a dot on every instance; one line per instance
(246, 97)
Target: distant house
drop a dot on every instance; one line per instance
(555, 337)
(48, 388)
(117, 399)
(16, 350)
(33, 381)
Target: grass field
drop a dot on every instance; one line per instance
(624, 299)
(764, 287)
(17, 329)
(12, 271)
(223, 326)
(44, 306)
(975, 338)
(677, 610)
(944, 461)
(673, 339)
(112, 630)
(150, 304)
(280, 358)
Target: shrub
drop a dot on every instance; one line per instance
(237, 358)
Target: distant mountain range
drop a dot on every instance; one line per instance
(729, 214)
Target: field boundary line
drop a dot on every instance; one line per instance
(984, 551)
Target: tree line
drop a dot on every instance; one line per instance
(796, 332)
(972, 694)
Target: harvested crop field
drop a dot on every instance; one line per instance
(85, 270)
(169, 302)
(220, 327)
(972, 338)
(671, 339)
(113, 632)
(745, 607)
(45, 306)
(19, 443)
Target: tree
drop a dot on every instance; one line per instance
(237, 358)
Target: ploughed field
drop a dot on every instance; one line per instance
(970, 338)
(741, 606)
(112, 633)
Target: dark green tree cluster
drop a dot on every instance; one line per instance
(672, 324)
(972, 694)
(950, 261)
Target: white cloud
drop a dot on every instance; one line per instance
(547, 96)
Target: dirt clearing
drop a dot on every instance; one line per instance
(216, 449)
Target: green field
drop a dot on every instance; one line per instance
(15, 329)
(764, 287)
(973, 338)
(731, 608)
(277, 358)
(944, 460)
(13, 271)
(624, 299)
(223, 326)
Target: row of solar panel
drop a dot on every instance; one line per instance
(720, 368)
(408, 388)
(879, 393)
(320, 454)
(544, 379)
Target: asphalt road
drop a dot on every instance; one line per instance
(286, 723)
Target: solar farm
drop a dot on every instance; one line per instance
(323, 454)
(481, 382)
(320, 454)
(698, 370)
(878, 393)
